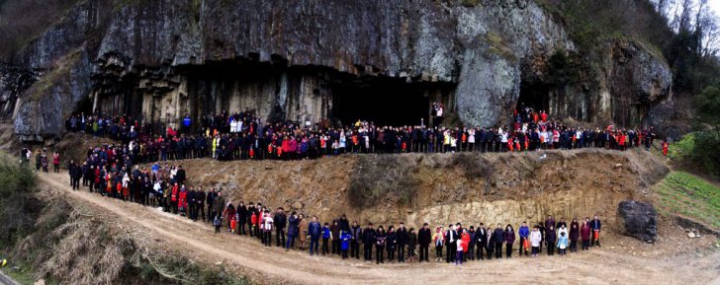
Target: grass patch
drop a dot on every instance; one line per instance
(22, 276)
(691, 196)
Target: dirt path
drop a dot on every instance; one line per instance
(244, 254)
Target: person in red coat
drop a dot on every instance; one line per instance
(665, 146)
(56, 162)
(585, 235)
(174, 197)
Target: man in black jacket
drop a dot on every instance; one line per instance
(368, 241)
(191, 202)
(424, 239)
(210, 199)
(356, 234)
(242, 212)
(200, 203)
(451, 238)
(180, 175)
(482, 240)
(280, 221)
(402, 240)
(498, 238)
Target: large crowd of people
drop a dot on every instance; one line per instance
(244, 136)
(114, 170)
(105, 172)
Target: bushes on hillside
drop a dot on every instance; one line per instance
(18, 209)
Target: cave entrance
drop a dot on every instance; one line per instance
(535, 96)
(384, 101)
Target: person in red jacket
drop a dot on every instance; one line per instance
(182, 201)
(665, 147)
(585, 235)
(253, 224)
(56, 162)
(174, 198)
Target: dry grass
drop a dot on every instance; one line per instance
(383, 179)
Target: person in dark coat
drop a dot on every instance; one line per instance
(368, 241)
(424, 239)
(335, 232)
(402, 240)
(242, 212)
(380, 240)
(574, 234)
(509, 240)
(481, 236)
(412, 243)
(391, 242)
(550, 238)
(210, 200)
(200, 203)
(471, 244)
(292, 230)
(498, 238)
(344, 223)
(280, 221)
(451, 239)
(356, 238)
(191, 202)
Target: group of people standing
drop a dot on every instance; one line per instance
(111, 172)
(245, 136)
(456, 244)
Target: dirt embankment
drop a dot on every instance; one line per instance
(440, 188)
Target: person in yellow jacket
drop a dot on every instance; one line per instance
(215, 142)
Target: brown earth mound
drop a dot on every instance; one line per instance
(440, 188)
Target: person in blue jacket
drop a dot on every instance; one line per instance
(524, 233)
(186, 124)
(326, 235)
(314, 230)
(345, 243)
(595, 228)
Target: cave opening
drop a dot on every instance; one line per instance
(386, 101)
(535, 96)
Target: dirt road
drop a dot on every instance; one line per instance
(247, 256)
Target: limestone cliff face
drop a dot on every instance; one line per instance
(159, 60)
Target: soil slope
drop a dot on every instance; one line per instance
(672, 260)
(440, 188)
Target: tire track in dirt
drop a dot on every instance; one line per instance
(199, 240)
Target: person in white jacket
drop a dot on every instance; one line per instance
(562, 229)
(535, 239)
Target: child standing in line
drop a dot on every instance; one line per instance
(345, 243)
(562, 243)
(217, 222)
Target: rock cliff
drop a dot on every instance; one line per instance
(307, 60)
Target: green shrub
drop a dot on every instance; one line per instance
(18, 208)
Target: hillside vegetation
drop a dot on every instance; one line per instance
(688, 195)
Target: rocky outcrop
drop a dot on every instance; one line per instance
(638, 220)
(160, 60)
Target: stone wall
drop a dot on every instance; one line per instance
(143, 53)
